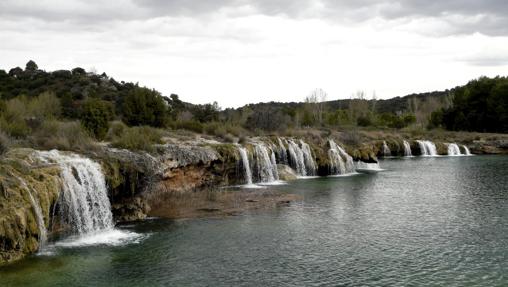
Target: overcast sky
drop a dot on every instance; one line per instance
(238, 52)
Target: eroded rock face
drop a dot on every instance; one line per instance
(20, 178)
(489, 147)
(137, 179)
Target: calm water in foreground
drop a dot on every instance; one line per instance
(422, 222)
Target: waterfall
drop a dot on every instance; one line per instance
(246, 165)
(337, 165)
(350, 166)
(453, 149)
(386, 149)
(340, 161)
(83, 203)
(310, 164)
(427, 148)
(43, 234)
(296, 158)
(466, 150)
(407, 149)
(282, 153)
(301, 159)
(274, 166)
(266, 167)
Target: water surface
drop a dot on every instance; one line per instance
(422, 222)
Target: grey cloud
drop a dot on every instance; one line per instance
(486, 60)
(492, 14)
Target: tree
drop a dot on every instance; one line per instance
(316, 103)
(207, 112)
(31, 66)
(143, 106)
(78, 71)
(95, 117)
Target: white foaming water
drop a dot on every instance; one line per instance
(274, 166)
(43, 234)
(296, 159)
(246, 165)
(407, 149)
(340, 161)
(84, 199)
(466, 150)
(367, 167)
(350, 166)
(283, 155)
(427, 148)
(386, 149)
(266, 168)
(310, 164)
(453, 149)
(83, 203)
(111, 237)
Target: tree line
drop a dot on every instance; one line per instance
(78, 103)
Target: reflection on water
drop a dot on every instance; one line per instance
(424, 221)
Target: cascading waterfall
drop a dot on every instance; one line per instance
(453, 149)
(83, 204)
(427, 148)
(296, 159)
(43, 234)
(350, 166)
(386, 149)
(466, 150)
(266, 167)
(301, 159)
(310, 164)
(274, 166)
(407, 149)
(337, 165)
(340, 161)
(245, 164)
(282, 153)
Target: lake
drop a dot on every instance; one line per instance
(422, 222)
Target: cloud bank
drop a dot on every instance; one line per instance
(259, 50)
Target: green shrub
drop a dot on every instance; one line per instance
(143, 106)
(5, 142)
(15, 129)
(95, 117)
(44, 106)
(62, 135)
(364, 121)
(211, 128)
(190, 125)
(116, 129)
(139, 138)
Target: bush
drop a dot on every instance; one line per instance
(15, 129)
(5, 143)
(116, 129)
(143, 106)
(45, 106)
(95, 117)
(364, 121)
(139, 138)
(62, 135)
(190, 125)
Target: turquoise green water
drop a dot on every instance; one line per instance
(422, 222)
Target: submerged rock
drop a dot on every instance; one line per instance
(286, 173)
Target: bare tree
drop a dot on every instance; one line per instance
(316, 101)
